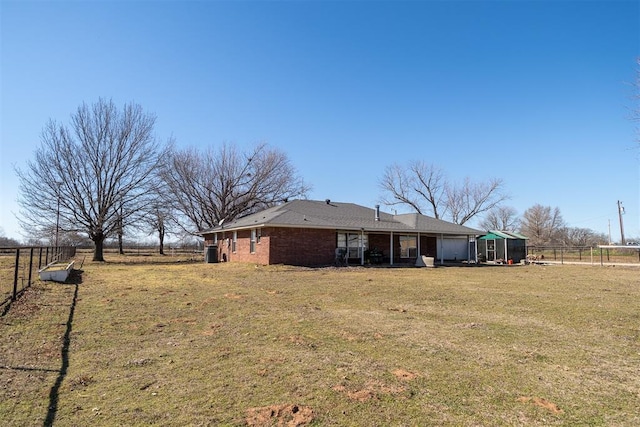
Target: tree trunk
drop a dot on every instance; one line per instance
(120, 233)
(120, 247)
(161, 238)
(98, 254)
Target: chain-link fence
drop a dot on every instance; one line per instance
(602, 255)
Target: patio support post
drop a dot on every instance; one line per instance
(441, 248)
(362, 246)
(506, 255)
(391, 251)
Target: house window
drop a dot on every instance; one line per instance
(234, 241)
(408, 246)
(254, 239)
(258, 234)
(353, 244)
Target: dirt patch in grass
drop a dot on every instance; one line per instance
(541, 402)
(404, 375)
(279, 415)
(371, 390)
(81, 381)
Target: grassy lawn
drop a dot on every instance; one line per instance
(143, 343)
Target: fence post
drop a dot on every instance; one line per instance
(30, 265)
(15, 276)
(40, 258)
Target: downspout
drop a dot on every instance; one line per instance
(441, 249)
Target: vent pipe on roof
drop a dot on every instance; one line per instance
(377, 212)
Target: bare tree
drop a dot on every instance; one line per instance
(574, 236)
(500, 218)
(160, 219)
(470, 199)
(93, 175)
(420, 186)
(543, 225)
(214, 185)
(424, 188)
(7, 241)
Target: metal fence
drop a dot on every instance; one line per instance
(19, 267)
(585, 254)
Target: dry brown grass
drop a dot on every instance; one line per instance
(224, 344)
(7, 272)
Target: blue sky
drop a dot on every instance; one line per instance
(537, 93)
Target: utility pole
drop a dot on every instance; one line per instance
(58, 184)
(120, 226)
(57, 223)
(620, 213)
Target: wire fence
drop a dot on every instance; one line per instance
(148, 251)
(19, 267)
(585, 254)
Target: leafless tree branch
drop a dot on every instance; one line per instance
(213, 185)
(542, 225)
(423, 188)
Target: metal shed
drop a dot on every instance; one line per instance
(502, 246)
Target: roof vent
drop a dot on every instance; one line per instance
(328, 201)
(377, 212)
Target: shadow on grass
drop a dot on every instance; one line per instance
(5, 307)
(75, 279)
(148, 260)
(179, 262)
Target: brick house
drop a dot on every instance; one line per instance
(315, 233)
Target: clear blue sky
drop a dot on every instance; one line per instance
(537, 93)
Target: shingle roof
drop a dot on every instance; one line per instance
(341, 216)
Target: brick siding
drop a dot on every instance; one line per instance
(303, 246)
